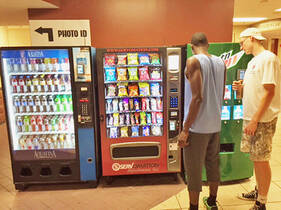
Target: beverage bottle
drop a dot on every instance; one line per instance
(61, 140)
(17, 104)
(55, 140)
(44, 104)
(9, 64)
(35, 141)
(19, 123)
(14, 81)
(51, 104)
(70, 105)
(34, 126)
(30, 103)
(54, 123)
(42, 65)
(61, 83)
(56, 83)
(22, 86)
(24, 107)
(35, 84)
(73, 140)
(49, 66)
(23, 64)
(16, 64)
(29, 144)
(49, 142)
(64, 103)
(39, 122)
(37, 63)
(28, 84)
(26, 123)
(49, 81)
(67, 66)
(39, 107)
(67, 82)
(42, 143)
(66, 123)
(47, 124)
(22, 143)
(44, 86)
(31, 64)
(55, 64)
(58, 103)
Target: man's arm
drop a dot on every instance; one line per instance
(193, 74)
(263, 106)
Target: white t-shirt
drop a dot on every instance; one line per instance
(262, 69)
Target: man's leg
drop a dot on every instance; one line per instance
(263, 176)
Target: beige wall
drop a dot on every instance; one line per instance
(14, 36)
(236, 32)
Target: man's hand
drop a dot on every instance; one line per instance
(183, 139)
(237, 85)
(251, 128)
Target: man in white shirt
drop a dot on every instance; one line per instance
(261, 101)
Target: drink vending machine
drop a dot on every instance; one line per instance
(234, 165)
(140, 96)
(50, 103)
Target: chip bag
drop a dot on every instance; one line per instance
(143, 118)
(122, 89)
(145, 131)
(109, 60)
(155, 89)
(155, 59)
(111, 90)
(143, 72)
(135, 131)
(155, 74)
(124, 131)
(133, 73)
(144, 89)
(133, 90)
(156, 130)
(144, 59)
(121, 59)
(132, 58)
(110, 74)
(121, 74)
(113, 132)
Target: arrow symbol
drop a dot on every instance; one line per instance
(49, 31)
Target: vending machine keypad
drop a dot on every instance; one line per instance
(84, 105)
(174, 102)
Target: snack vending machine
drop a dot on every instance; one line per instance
(140, 109)
(234, 164)
(50, 103)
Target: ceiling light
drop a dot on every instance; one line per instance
(277, 10)
(248, 19)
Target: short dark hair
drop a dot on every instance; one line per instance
(199, 39)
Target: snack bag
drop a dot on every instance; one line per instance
(144, 89)
(110, 74)
(109, 60)
(122, 59)
(155, 74)
(132, 58)
(137, 104)
(156, 130)
(159, 118)
(132, 116)
(122, 89)
(148, 118)
(121, 74)
(143, 72)
(153, 104)
(159, 103)
(143, 104)
(121, 106)
(143, 118)
(153, 118)
(109, 107)
(127, 119)
(155, 89)
(145, 131)
(135, 131)
(147, 104)
(133, 73)
(121, 119)
(115, 105)
(124, 131)
(110, 120)
(144, 59)
(154, 58)
(126, 104)
(131, 104)
(133, 90)
(137, 118)
(111, 90)
(116, 119)
(113, 132)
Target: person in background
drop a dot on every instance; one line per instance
(261, 104)
(205, 79)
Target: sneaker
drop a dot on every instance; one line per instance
(250, 196)
(205, 199)
(258, 206)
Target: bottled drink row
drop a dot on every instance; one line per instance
(132, 59)
(37, 64)
(41, 83)
(44, 123)
(50, 103)
(133, 104)
(42, 142)
(135, 131)
(137, 118)
(133, 89)
(113, 74)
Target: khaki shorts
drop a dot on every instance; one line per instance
(260, 145)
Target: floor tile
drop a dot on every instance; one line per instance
(171, 203)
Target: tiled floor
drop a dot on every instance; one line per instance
(154, 192)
